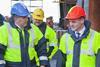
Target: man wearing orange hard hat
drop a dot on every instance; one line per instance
(75, 13)
(80, 46)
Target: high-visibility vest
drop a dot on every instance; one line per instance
(51, 36)
(89, 47)
(12, 41)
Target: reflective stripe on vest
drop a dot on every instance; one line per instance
(31, 44)
(17, 46)
(52, 44)
(87, 52)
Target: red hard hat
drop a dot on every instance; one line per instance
(75, 12)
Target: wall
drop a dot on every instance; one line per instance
(94, 14)
(5, 7)
(50, 8)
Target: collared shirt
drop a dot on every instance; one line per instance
(80, 32)
(18, 26)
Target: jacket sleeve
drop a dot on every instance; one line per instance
(42, 52)
(97, 48)
(52, 43)
(3, 45)
(40, 46)
(2, 52)
(61, 59)
(61, 62)
(98, 59)
(62, 46)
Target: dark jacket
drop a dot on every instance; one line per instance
(1, 19)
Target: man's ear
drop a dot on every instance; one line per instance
(82, 20)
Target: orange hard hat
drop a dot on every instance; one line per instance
(75, 12)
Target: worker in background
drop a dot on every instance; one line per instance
(80, 47)
(7, 18)
(63, 24)
(18, 39)
(48, 32)
(1, 19)
(49, 21)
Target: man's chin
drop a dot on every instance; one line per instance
(72, 29)
(37, 24)
(24, 25)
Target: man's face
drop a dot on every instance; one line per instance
(37, 22)
(21, 21)
(49, 22)
(76, 25)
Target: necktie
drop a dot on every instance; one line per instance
(78, 35)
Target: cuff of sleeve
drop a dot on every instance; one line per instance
(44, 62)
(43, 58)
(2, 62)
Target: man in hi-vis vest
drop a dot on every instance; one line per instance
(18, 39)
(80, 46)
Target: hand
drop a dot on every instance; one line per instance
(42, 66)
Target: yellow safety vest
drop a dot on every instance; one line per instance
(51, 36)
(11, 39)
(89, 47)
